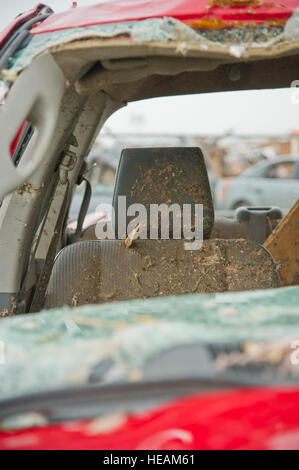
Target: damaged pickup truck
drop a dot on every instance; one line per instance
(144, 344)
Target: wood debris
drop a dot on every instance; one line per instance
(132, 236)
(283, 244)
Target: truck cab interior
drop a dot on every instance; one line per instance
(85, 82)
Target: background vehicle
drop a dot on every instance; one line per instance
(267, 183)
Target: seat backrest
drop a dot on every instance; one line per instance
(172, 175)
(95, 272)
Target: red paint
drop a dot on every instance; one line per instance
(17, 138)
(264, 418)
(18, 21)
(134, 10)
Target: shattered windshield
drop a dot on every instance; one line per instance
(117, 342)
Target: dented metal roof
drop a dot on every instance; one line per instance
(202, 14)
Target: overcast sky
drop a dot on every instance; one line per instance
(250, 112)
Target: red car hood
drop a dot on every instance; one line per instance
(265, 418)
(257, 11)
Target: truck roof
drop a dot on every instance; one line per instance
(209, 14)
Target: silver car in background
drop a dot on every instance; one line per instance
(272, 182)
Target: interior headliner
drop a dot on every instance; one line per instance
(171, 72)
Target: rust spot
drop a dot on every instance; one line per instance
(241, 3)
(216, 23)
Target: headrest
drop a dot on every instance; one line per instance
(171, 175)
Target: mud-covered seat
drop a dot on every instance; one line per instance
(94, 272)
(173, 175)
(98, 271)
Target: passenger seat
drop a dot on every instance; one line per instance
(99, 271)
